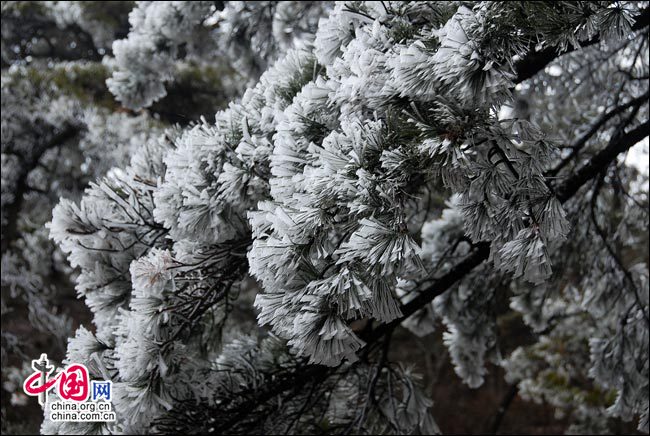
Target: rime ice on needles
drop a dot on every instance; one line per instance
(319, 183)
(144, 60)
(249, 36)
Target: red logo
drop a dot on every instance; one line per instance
(73, 381)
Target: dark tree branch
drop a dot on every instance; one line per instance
(536, 61)
(481, 253)
(601, 160)
(503, 408)
(582, 141)
(10, 230)
(310, 374)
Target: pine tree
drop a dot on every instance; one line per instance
(418, 165)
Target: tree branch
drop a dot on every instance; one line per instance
(482, 250)
(601, 160)
(580, 143)
(535, 61)
(503, 408)
(10, 230)
(603, 237)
